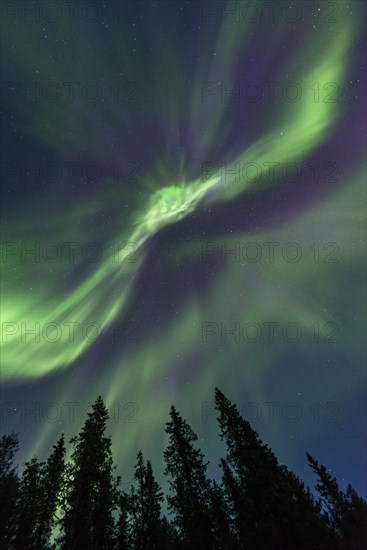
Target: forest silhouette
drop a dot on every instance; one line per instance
(258, 504)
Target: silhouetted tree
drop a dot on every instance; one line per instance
(170, 539)
(28, 506)
(91, 488)
(190, 488)
(236, 502)
(346, 512)
(146, 508)
(138, 504)
(270, 505)
(123, 538)
(153, 499)
(260, 505)
(51, 484)
(224, 538)
(8, 488)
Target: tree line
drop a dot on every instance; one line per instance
(258, 504)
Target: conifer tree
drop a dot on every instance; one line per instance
(28, 506)
(91, 488)
(9, 484)
(270, 505)
(146, 507)
(51, 484)
(346, 512)
(224, 538)
(154, 497)
(123, 538)
(138, 506)
(170, 540)
(190, 489)
(9, 445)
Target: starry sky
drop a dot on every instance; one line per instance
(183, 190)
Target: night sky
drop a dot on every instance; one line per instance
(190, 177)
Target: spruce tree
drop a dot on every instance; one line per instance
(51, 484)
(270, 505)
(123, 537)
(91, 488)
(138, 506)
(224, 538)
(28, 506)
(346, 512)
(237, 504)
(170, 540)
(9, 445)
(146, 500)
(190, 489)
(154, 497)
(9, 484)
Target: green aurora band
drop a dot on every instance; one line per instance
(301, 127)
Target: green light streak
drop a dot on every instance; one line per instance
(300, 128)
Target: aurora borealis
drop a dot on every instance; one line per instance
(183, 208)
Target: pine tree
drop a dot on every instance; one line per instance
(237, 504)
(224, 538)
(154, 497)
(9, 484)
(170, 539)
(28, 506)
(91, 488)
(123, 536)
(190, 498)
(146, 507)
(51, 483)
(138, 504)
(346, 512)
(8, 447)
(270, 505)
